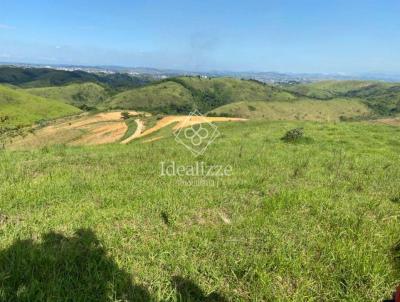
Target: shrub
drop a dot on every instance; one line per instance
(293, 135)
(125, 115)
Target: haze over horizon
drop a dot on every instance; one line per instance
(338, 37)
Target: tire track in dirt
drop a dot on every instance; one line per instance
(186, 121)
(138, 132)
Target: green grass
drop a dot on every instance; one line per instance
(89, 94)
(332, 110)
(211, 93)
(329, 89)
(161, 97)
(383, 98)
(312, 221)
(24, 109)
(132, 126)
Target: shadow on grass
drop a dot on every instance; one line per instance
(63, 268)
(396, 256)
(188, 291)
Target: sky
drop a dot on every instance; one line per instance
(321, 36)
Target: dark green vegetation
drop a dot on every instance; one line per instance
(313, 221)
(382, 98)
(44, 77)
(294, 135)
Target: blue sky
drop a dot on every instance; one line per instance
(289, 36)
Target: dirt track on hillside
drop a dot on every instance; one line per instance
(101, 128)
(185, 121)
(139, 129)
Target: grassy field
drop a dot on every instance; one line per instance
(88, 94)
(316, 220)
(23, 109)
(332, 110)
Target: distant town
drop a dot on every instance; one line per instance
(265, 77)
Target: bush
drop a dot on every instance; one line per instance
(125, 115)
(293, 135)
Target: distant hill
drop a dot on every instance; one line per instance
(181, 95)
(44, 77)
(211, 93)
(167, 97)
(19, 108)
(79, 95)
(383, 98)
(332, 110)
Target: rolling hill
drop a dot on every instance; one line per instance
(44, 77)
(327, 89)
(180, 95)
(383, 98)
(19, 108)
(79, 95)
(332, 110)
(167, 97)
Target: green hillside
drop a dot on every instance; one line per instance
(44, 77)
(332, 110)
(183, 94)
(383, 98)
(211, 93)
(328, 89)
(88, 94)
(19, 108)
(167, 97)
